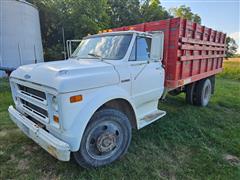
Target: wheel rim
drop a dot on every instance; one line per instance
(207, 93)
(104, 140)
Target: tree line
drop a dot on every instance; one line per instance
(77, 18)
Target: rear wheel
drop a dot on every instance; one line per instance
(203, 92)
(105, 139)
(190, 93)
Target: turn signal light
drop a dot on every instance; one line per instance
(56, 119)
(77, 98)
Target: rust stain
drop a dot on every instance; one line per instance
(52, 150)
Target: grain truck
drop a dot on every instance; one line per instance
(88, 105)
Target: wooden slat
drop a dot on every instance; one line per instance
(205, 48)
(196, 41)
(187, 58)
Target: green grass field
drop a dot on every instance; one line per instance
(188, 143)
(231, 69)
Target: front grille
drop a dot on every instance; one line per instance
(39, 111)
(35, 93)
(33, 102)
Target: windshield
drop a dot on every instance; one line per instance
(113, 47)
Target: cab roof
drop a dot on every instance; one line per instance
(118, 33)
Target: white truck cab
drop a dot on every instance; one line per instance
(88, 104)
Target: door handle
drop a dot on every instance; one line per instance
(139, 64)
(157, 68)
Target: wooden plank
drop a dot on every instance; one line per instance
(187, 58)
(196, 41)
(197, 47)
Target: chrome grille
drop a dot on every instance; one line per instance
(33, 102)
(32, 92)
(41, 112)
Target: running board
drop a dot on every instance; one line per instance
(148, 119)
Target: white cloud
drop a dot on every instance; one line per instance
(236, 37)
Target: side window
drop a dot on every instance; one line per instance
(141, 49)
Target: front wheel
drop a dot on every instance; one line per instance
(105, 139)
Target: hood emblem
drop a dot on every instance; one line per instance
(27, 76)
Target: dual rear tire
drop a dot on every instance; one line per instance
(199, 93)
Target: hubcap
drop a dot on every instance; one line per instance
(104, 140)
(207, 93)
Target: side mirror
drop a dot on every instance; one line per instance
(157, 46)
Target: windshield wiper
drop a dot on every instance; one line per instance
(95, 55)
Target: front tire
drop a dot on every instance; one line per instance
(106, 139)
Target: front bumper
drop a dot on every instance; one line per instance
(51, 144)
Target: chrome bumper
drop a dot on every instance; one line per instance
(51, 144)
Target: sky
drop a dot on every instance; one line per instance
(221, 15)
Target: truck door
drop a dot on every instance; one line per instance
(147, 74)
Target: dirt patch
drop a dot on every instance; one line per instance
(168, 175)
(23, 164)
(52, 176)
(3, 133)
(233, 160)
(29, 149)
(12, 158)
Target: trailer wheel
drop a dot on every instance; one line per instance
(190, 93)
(203, 92)
(105, 139)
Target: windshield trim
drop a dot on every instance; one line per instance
(119, 33)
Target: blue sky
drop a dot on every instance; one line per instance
(222, 15)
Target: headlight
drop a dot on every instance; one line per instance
(54, 103)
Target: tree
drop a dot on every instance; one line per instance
(77, 17)
(231, 47)
(123, 12)
(186, 13)
(49, 21)
(81, 17)
(151, 10)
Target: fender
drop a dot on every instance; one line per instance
(82, 118)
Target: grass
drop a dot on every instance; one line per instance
(188, 143)
(231, 69)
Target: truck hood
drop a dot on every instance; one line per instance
(69, 75)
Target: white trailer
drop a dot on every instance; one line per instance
(20, 35)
